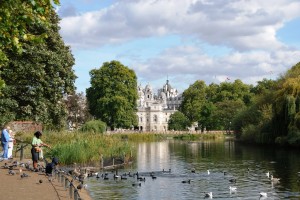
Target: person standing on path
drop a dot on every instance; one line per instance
(5, 139)
(10, 144)
(37, 143)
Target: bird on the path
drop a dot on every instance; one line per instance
(24, 175)
(11, 172)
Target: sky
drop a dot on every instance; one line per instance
(183, 40)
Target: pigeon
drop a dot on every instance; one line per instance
(11, 172)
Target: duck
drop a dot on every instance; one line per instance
(274, 180)
(232, 189)
(193, 170)
(208, 195)
(186, 181)
(136, 184)
(263, 194)
(233, 180)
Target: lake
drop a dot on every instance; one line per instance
(189, 170)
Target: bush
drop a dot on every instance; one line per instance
(95, 126)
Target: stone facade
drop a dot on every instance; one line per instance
(154, 110)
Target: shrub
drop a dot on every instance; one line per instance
(95, 126)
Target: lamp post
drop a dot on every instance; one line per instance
(229, 127)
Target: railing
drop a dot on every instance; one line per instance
(20, 147)
(68, 185)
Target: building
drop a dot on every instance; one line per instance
(154, 110)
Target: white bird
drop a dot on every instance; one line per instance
(274, 180)
(263, 194)
(209, 195)
(268, 174)
(208, 172)
(232, 189)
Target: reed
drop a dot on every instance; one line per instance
(80, 147)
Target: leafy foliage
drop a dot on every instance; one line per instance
(77, 109)
(15, 18)
(193, 99)
(112, 96)
(95, 126)
(37, 79)
(178, 122)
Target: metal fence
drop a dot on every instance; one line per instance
(67, 184)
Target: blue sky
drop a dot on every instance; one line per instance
(184, 40)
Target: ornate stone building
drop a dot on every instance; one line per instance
(154, 110)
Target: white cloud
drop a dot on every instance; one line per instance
(246, 27)
(190, 65)
(239, 24)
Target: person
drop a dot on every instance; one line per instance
(51, 166)
(10, 144)
(5, 139)
(37, 143)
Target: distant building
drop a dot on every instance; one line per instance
(154, 110)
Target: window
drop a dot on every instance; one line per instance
(155, 118)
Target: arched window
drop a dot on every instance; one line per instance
(155, 118)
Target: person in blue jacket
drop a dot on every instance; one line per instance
(5, 139)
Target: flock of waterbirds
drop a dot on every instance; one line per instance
(136, 178)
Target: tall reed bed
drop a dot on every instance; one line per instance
(140, 137)
(81, 147)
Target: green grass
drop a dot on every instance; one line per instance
(85, 148)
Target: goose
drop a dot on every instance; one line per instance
(123, 177)
(116, 176)
(208, 195)
(83, 176)
(263, 194)
(274, 180)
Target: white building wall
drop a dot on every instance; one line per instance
(154, 110)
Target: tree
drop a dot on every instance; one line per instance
(37, 79)
(178, 122)
(226, 111)
(193, 99)
(77, 109)
(15, 18)
(113, 95)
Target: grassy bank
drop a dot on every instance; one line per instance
(83, 148)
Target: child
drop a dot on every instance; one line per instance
(51, 166)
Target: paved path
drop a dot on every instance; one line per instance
(15, 187)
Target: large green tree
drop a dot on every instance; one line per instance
(37, 79)
(113, 95)
(15, 18)
(194, 98)
(178, 122)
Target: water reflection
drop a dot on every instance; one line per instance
(226, 161)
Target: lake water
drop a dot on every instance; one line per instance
(225, 160)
